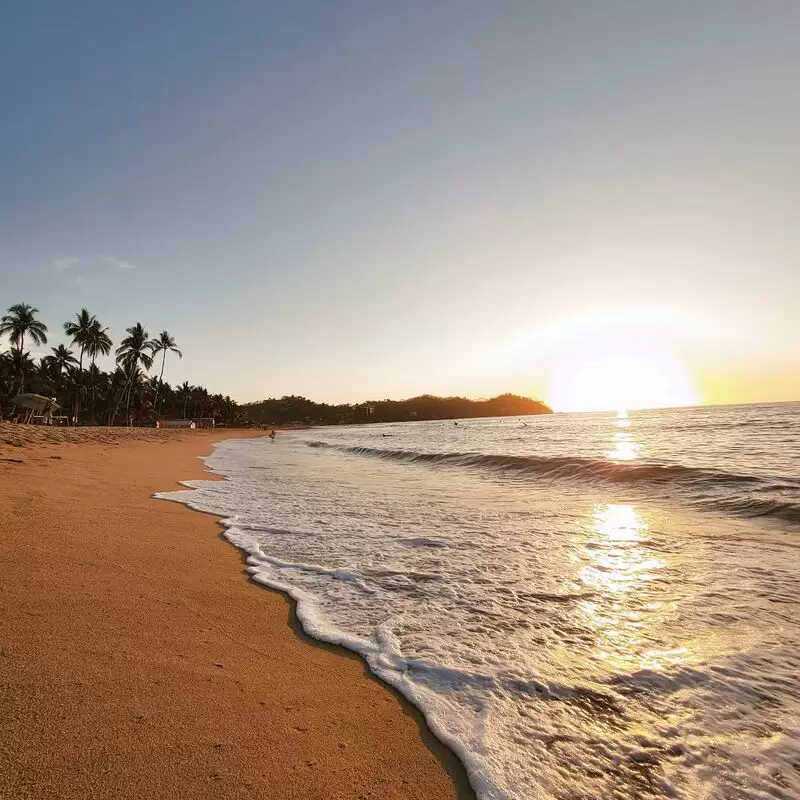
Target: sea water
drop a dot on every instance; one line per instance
(583, 606)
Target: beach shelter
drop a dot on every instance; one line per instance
(35, 405)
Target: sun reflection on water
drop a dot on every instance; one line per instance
(622, 573)
(624, 444)
(625, 447)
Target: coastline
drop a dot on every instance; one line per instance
(135, 662)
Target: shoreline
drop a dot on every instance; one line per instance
(106, 661)
(451, 763)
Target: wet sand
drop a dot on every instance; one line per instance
(137, 660)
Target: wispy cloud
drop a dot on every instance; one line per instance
(78, 269)
(63, 263)
(116, 263)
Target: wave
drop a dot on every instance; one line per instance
(564, 466)
(499, 652)
(695, 480)
(757, 507)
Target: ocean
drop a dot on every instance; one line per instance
(582, 605)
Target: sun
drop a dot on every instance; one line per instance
(620, 376)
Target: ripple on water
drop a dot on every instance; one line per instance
(566, 641)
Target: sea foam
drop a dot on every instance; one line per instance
(563, 640)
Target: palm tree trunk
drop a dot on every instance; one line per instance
(94, 392)
(128, 404)
(113, 416)
(76, 409)
(160, 382)
(112, 409)
(22, 374)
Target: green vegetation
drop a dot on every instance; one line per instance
(128, 395)
(21, 321)
(299, 409)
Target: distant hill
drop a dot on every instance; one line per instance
(293, 409)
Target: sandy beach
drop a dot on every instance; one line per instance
(138, 661)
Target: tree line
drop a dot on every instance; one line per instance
(291, 408)
(128, 394)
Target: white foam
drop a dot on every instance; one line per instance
(561, 645)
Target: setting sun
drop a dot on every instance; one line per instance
(609, 379)
(472, 328)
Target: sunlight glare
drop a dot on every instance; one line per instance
(625, 448)
(619, 378)
(621, 568)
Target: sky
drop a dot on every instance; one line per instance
(593, 203)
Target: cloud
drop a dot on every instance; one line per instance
(116, 263)
(64, 262)
(77, 270)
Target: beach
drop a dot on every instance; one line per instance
(138, 661)
(569, 598)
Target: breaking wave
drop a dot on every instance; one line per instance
(747, 495)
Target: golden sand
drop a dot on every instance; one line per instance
(137, 661)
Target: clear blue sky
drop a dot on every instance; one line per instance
(360, 199)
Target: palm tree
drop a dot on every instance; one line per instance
(117, 384)
(163, 344)
(19, 365)
(43, 378)
(134, 353)
(98, 342)
(21, 320)
(101, 394)
(80, 332)
(202, 398)
(95, 379)
(185, 391)
(135, 349)
(58, 365)
(229, 408)
(137, 393)
(167, 398)
(62, 358)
